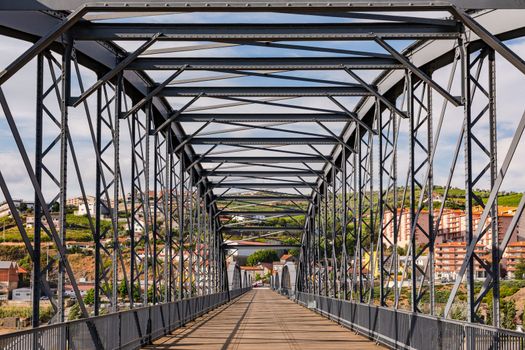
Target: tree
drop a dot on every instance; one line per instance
(508, 310)
(122, 289)
(151, 292)
(519, 274)
(23, 207)
(294, 252)
(89, 299)
(74, 312)
(259, 256)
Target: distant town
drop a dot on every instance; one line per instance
(255, 260)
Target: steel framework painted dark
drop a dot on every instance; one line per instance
(188, 194)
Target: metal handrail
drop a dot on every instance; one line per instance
(409, 330)
(75, 335)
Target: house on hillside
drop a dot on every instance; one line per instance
(19, 204)
(288, 258)
(10, 275)
(92, 208)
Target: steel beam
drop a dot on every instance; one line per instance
(264, 117)
(118, 68)
(456, 101)
(260, 228)
(490, 40)
(263, 185)
(261, 198)
(263, 141)
(245, 32)
(254, 159)
(259, 212)
(252, 91)
(276, 173)
(263, 63)
(256, 6)
(262, 246)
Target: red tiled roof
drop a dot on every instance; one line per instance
(251, 268)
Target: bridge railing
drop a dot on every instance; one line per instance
(128, 329)
(406, 330)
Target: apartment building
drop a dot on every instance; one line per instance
(404, 227)
(452, 226)
(450, 256)
(514, 254)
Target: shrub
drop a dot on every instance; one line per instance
(262, 256)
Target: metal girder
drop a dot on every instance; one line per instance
(374, 91)
(456, 101)
(263, 185)
(277, 173)
(264, 117)
(262, 246)
(261, 212)
(263, 63)
(118, 68)
(255, 91)
(491, 40)
(153, 93)
(261, 6)
(46, 40)
(225, 159)
(260, 228)
(261, 198)
(262, 31)
(263, 141)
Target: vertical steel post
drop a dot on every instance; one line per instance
(36, 273)
(381, 207)
(116, 181)
(66, 90)
(324, 214)
(98, 205)
(146, 202)
(359, 169)
(412, 184)
(467, 141)
(344, 223)
(493, 175)
(334, 233)
(181, 224)
(430, 189)
(168, 219)
(156, 213)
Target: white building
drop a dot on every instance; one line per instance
(4, 207)
(21, 294)
(83, 210)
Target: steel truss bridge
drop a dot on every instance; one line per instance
(325, 114)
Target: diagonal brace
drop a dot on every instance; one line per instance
(376, 93)
(118, 68)
(153, 93)
(353, 115)
(418, 72)
(176, 114)
(490, 39)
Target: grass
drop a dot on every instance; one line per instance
(25, 312)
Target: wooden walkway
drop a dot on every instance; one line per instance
(262, 319)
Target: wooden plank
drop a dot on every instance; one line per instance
(262, 319)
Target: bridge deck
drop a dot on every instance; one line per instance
(262, 319)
